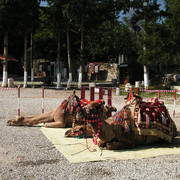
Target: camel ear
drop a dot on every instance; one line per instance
(103, 102)
(110, 108)
(74, 92)
(115, 109)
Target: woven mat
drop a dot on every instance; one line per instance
(83, 150)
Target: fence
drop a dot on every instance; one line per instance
(109, 95)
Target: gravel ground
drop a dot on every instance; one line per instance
(26, 154)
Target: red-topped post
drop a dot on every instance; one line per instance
(92, 94)
(174, 103)
(159, 94)
(82, 92)
(110, 99)
(101, 93)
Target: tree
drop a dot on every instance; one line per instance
(145, 17)
(172, 24)
(44, 39)
(7, 20)
(28, 16)
(68, 14)
(57, 20)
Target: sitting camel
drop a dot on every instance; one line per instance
(85, 130)
(60, 117)
(138, 122)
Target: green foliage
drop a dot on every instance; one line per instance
(105, 37)
(173, 25)
(44, 38)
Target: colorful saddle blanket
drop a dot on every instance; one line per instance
(147, 118)
(71, 105)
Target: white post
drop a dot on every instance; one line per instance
(4, 83)
(174, 107)
(80, 80)
(146, 77)
(25, 79)
(69, 80)
(117, 91)
(122, 60)
(58, 80)
(32, 74)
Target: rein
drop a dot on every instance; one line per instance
(93, 118)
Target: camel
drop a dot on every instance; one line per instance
(60, 117)
(85, 130)
(138, 122)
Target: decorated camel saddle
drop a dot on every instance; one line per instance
(149, 117)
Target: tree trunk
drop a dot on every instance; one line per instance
(5, 65)
(69, 59)
(146, 77)
(31, 58)
(146, 72)
(25, 61)
(58, 62)
(81, 57)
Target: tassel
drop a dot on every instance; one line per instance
(95, 137)
(118, 120)
(164, 122)
(125, 115)
(127, 129)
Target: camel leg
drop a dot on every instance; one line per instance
(102, 143)
(57, 124)
(31, 120)
(59, 120)
(119, 145)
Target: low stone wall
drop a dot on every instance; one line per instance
(108, 71)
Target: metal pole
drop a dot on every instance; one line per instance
(42, 100)
(18, 100)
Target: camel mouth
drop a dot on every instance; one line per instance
(9, 123)
(68, 133)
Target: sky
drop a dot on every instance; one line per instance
(43, 3)
(161, 2)
(162, 6)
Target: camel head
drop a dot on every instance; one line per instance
(79, 131)
(133, 98)
(108, 109)
(16, 122)
(90, 110)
